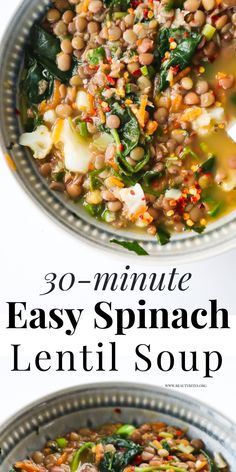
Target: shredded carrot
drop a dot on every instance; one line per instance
(140, 113)
(54, 101)
(139, 212)
(11, 164)
(29, 467)
(181, 74)
(57, 130)
(62, 459)
(177, 103)
(191, 114)
(91, 166)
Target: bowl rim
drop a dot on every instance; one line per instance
(185, 255)
(123, 385)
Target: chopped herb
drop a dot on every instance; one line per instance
(131, 246)
(216, 209)
(95, 56)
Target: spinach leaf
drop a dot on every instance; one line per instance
(121, 5)
(38, 83)
(207, 166)
(198, 229)
(163, 236)
(94, 210)
(181, 56)
(44, 47)
(174, 4)
(151, 175)
(131, 246)
(129, 131)
(43, 43)
(211, 463)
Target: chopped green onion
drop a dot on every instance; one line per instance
(169, 466)
(185, 449)
(118, 14)
(61, 442)
(77, 456)
(108, 216)
(126, 429)
(83, 130)
(208, 31)
(144, 70)
(128, 88)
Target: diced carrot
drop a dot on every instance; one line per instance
(181, 74)
(151, 127)
(54, 101)
(177, 103)
(91, 104)
(143, 104)
(191, 114)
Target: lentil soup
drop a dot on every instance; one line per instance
(123, 447)
(129, 108)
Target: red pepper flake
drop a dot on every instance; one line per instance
(132, 192)
(145, 13)
(178, 433)
(186, 34)
(170, 458)
(111, 80)
(88, 119)
(175, 69)
(138, 460)
(137, 73)
(171, 40)
(120, 147)
(135, 3)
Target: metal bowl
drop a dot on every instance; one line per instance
(96, 404)
(219, 236)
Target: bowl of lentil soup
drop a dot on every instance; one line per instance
(123, 119)
(130, 427)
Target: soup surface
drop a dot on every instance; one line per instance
(129, 108)
(123, 447)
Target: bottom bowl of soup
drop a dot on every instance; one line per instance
(130, 427)
(121, 122)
